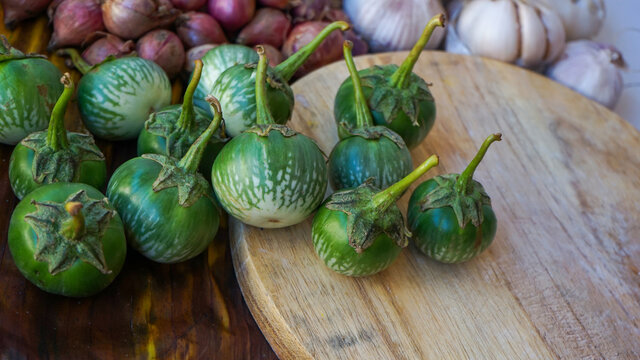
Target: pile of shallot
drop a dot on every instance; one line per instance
(174, 33)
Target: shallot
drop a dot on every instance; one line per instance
(194, 54)
(309, 10)
(189, 5)
(129, 19)
(329, 51)
(278, 4)
(592, 69)
(196, 28)
(269, 26)
(18, 10)
(73, 20)
(164, 48)
(232, 14)
(106, 45)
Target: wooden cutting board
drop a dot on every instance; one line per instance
(562, 277)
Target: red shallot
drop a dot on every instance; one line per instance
(106, 45)
(232, 14)
(196, 28)
(164, 48)
(18, 10)
(270, 26)
(129, 19)
(73, 20)
(189, 5)
(329, 51)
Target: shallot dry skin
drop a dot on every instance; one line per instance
(189, 5)
(18, 10)
(73, 21)
(106, 45)
(129, 19)
(269, 26)
(232, 14)
(329, 51)
(196, 28)
(164, 48)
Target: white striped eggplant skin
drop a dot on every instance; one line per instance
(270, 181)
(236, 91)
(29, 88)
(115, 98)
(215, 62)
(155, 224)
(331, 242)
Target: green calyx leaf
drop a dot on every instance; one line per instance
(60, 165)
(49, 222)
(364, 221)
(265, 129)
(390, 100)
(191, 186)
(177, 139)
(467, 206)
(375, 132)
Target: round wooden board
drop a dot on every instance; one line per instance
(561, 279)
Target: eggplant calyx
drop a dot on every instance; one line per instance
(264, 130)
(467, 206)
(374, 133)
(191, 186)
(389, 100)
(61, 251)
(365, 220)
(60, 165)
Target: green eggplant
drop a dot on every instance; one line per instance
(235, 87)
(30, 89)
(216, 61)
(172, 130)
(398, 98)
(117, 96)
(54, 155)
(360, 231)
(168, 208)
(371, 151)
(450, 215)
(269, 176)
(67, 239)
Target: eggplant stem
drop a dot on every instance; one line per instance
(76, 59)
(462, 184)
(400, 78)
(390, 195)
(74, 227)
(364, 119)
(56, 133)
(263, 115)
(187, 115)
(191, 160)
(288, 68)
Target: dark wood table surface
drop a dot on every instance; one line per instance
(190, 310)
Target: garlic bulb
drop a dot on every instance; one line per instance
(582, 19)
(390, 25)
(592, 69)
(507, 30)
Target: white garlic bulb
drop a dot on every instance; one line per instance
(582, 19)
(592, 69)
(507, 30)
(391, 25)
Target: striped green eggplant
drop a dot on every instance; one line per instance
(269, 176)
(117, 96)
(235, 87)
(30, 88)
(370, 151)
(215, 62)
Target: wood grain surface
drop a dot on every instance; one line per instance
(192, 310)
(562, 277)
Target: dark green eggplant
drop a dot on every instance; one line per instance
(172, 130)
(398, 98)
(361, 231)
(269, 176)
(54, 155)
(168, 208)
(450, 215)
(370, 151)
(116, 97)
(30, 88)
(235, 87)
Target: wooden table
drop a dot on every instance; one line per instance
(189, 310)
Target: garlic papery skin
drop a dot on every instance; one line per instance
(508, 30)
(582, 19)
(392, 25)
(592, 69)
